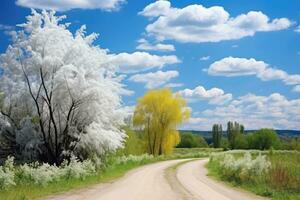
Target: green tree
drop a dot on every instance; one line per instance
(189, 140)
(294, 144)
(217, 133)
(233, 131)
(264, 139)
(241, 141)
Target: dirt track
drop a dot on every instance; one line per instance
(150, 183)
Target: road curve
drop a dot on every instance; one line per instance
(192, 176)
(152, 182)
(145, 183)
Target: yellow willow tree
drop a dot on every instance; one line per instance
(158, 113)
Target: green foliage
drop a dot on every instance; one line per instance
(292, 144)
(264, 139)
(217, 133)
(134, 144)
(189, 140)
(234, 129)
(224, 144)
(242, 169)
(280, 182)
(241, 141)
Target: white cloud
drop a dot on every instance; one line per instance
(145, 45)
(156, 9)
(6, 27)
(173, 85)
(64, 5)
(213, 95)
(274, 111)
(231, 66)
(141, 61)
(196, 23)
(296, 88)
(297, 29)
(205, 58)
(154, 79)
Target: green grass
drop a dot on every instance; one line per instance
(282, 182)
(112, 172)
(193, 152)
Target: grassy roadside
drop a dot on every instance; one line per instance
(279, 183)
(109, 173)
(26, 192)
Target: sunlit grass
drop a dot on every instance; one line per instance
(282, 182)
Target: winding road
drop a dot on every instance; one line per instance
(157, 182)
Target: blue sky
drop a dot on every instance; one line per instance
(231, 61)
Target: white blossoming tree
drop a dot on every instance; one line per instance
(60, 94)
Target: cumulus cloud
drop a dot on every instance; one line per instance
(141, 61)
(64, 5)
(196, 23)
(145, 45)
(156, 9)
(154, 79)
(273, 111)
(213, 95)
(231, 66)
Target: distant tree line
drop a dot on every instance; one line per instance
(190, 140)
(237, 139)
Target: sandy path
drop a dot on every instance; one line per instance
(145, 183)
(192, 176)
(151, 182)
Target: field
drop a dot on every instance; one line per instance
(281, 180)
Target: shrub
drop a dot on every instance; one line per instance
(7, 174)
(242, 169)
(39, 174)
(77, 169)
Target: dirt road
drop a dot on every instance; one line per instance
(150, 183)
(192, 177)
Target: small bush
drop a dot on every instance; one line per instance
(273, 173)
(38, 174)
(244, 168)
(77, 169)
(7, 174)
